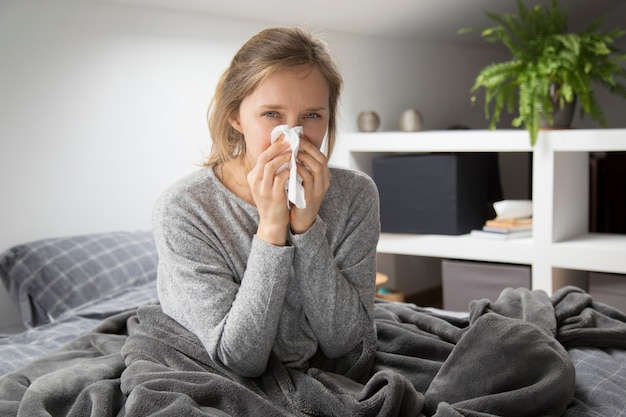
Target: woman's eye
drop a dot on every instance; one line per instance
(270, 114)
(312, 116)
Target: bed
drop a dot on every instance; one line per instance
(96, 343)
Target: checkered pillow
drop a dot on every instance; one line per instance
(51, 276)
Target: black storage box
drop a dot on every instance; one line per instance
(432, 193)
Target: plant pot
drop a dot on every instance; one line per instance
(562, 117)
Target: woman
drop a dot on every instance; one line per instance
(248, 273)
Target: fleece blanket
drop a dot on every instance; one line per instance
(508, 358)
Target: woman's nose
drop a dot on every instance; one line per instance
(293, 121)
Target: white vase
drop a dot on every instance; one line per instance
(411, 121)
(368, 121)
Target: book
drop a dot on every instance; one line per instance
(513, 229)
(501, 236)
(510, 223)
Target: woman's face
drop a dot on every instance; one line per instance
(295, 96)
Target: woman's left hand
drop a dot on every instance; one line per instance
(313, 168)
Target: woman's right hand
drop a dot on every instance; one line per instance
(267, 186)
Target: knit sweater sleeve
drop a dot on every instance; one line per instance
(235, 317)
(338, 278)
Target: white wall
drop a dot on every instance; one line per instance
(390, 77)
(100, 108)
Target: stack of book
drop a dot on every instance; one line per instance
(513, 220)
(506, 229)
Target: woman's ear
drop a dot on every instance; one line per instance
(235, 123)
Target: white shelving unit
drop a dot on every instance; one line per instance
(561, 250)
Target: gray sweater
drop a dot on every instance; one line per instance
(245, 298)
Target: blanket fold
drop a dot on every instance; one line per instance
(526, 373)
(583, 322)
(507, 358)
(80, 379)
(161, 354)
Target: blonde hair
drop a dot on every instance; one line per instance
(265, 53)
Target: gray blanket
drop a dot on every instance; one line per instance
(508, 358)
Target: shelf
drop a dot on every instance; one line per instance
(585, 140)
(560, 199)
(518, 251)
(440, 141)
(500, 140)
(597, 252)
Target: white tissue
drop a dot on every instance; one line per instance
(294, 188)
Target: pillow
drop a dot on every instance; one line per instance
(48, 277)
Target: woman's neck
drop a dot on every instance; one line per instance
(233, 175)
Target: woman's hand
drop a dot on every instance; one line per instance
(267, 186)
(313, 168)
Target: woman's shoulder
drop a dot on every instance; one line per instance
(195, 186)
(352, 196)
(344, 178)
(191, 181)
(350, 188)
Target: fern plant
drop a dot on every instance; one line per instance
(549, 66)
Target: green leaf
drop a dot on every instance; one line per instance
(543, 54)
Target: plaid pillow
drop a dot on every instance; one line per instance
(50, 276)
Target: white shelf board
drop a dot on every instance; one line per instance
(518, 251)
(440, 141)
(500, 140)
(584, 140)
(600, 252)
